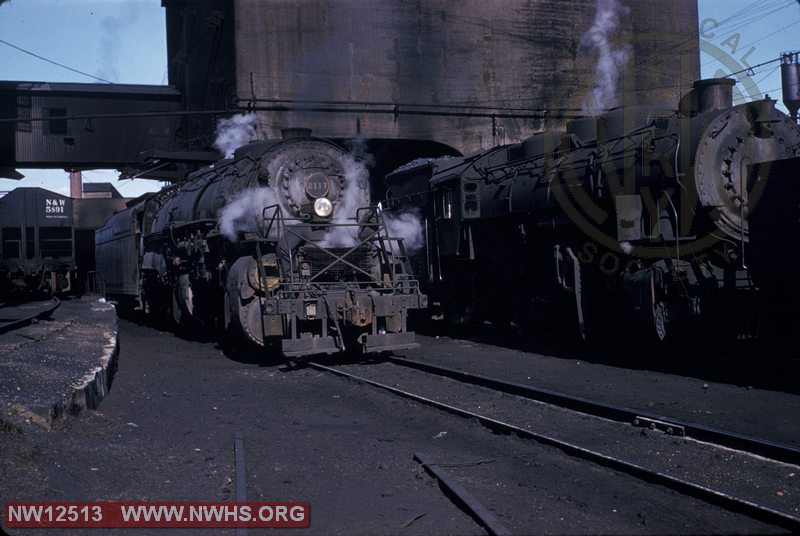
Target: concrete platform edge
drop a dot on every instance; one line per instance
(84, 393)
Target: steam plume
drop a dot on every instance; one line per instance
(611, 57)
(111, 29)
(355, 195)
(244, 212)
(406, 225)
(234, 132)
(358, 148)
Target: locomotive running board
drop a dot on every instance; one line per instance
(385, 342)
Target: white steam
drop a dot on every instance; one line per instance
(611, 56)
(358, 148)
(354, 195)
(244, 213)
(406, 225)
(234, 132)
(112, 28)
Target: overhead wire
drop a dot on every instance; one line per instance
(773, 33)
(750, 18)
(54, 62)
(733, 30)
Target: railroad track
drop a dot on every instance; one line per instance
(762, 447)
(734, 503)
(17, 316)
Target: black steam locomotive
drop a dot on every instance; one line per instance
(638, 223)
(277, 245)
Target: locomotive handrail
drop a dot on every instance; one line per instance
(377, 214)
(677, 226)
(337, 258)
(400, 246)
(366, 217)
(277, 219)
(276, 216)
(262, 283)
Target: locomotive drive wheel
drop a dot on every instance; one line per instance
(660, 321)
(671, 329)
(244, 319)
(190, 310)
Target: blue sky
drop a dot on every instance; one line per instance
(746, 33)
(124, 41)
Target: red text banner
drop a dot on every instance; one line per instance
(157, 514)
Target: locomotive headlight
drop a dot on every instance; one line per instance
(323, 207)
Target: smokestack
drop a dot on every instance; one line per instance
(790, 80)
(714, 94)
(75, 184)
(707, 95)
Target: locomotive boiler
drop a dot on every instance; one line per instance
(636, 223)
(277, 246)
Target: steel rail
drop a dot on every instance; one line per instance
(725, 500)
(463, 497)
(769, 449)
(16, 323)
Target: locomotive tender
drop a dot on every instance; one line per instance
(667, 226)
(277, 245)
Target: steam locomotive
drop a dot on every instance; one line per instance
(666, 226)
(277, 246)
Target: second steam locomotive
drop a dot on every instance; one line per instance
(276, 246)
(679, 225)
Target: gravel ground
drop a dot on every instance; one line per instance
(166, 432)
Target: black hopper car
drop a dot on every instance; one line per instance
(277, 246)
(37, 235)
(633, 224)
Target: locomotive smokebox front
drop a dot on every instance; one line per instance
(735, 147)
(315, 179)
